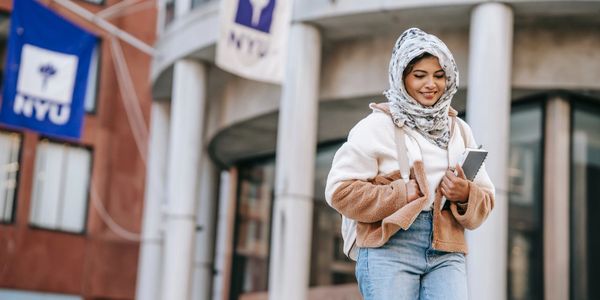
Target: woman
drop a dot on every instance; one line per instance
(404, 200)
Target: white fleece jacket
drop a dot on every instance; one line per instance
(371, 150)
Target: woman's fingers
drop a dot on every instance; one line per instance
(447, 193)
(443, 189)
(455, 187)
(448, 182)
(448, 189)
(460, 172)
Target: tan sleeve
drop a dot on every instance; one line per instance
(478, 207)
(354, 187)
(367, 202)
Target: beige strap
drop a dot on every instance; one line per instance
(402, 153)
(462, 131)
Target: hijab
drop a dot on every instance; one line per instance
(430, 121)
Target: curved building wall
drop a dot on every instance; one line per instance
(545, 57)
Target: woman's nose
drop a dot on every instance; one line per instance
(430, 83)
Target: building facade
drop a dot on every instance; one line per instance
(242, 215)
(70, 210)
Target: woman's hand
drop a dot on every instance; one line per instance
(412, 190)
(455, 188)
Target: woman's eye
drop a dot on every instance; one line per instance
(439, 76)
(419, 76)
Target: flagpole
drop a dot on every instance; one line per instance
(133, 8)
(107, 26)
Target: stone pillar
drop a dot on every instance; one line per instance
(488, 113)
(296, 146)
(556, 202)
(149, 265)
(205, 228)
(185, 148)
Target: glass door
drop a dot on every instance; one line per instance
(525, 230)
(585, 200)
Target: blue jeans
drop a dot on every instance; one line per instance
(406, 267)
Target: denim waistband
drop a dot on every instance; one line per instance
(423, 223)
(426, 214)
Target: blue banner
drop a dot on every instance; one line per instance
(255, 15)
(46, 71)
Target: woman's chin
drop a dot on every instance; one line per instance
(427, 102)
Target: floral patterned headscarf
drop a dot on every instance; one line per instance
(430, 121)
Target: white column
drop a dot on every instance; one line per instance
(488, 113)
(182, 7)
(205, 224)
(160, 16)
(296, 147)
(556, 200)
(149, 264)
(185, 148)
(225, 228)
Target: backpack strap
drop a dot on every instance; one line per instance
(462, 130)
(402, 153)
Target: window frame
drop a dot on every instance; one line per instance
(88, 197)
(99, 3)
(339, 257)
(236, 281)
(540, 99)
(96, 89)
(13, 217)
(575, 101)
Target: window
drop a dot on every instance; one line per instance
(169, 11)
(26, 295)
(525, 230)
(97, 2)
(196, 3)
(329, 264)
(10, 145)
(89, 103)
(4, 26)
(253, 232)
(250, 273)
(585, 207)
(60, 187)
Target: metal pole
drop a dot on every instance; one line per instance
(107, 26)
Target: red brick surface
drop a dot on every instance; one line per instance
(97, 264)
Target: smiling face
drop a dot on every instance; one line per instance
(426, 81)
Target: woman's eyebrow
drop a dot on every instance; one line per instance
(419, 70)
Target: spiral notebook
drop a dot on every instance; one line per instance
(471, 161)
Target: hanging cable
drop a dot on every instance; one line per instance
(109, 221)
(130, 99)
(125, 7)
(106, 26)
(129, 96)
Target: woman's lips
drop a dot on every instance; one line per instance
(428, 95)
